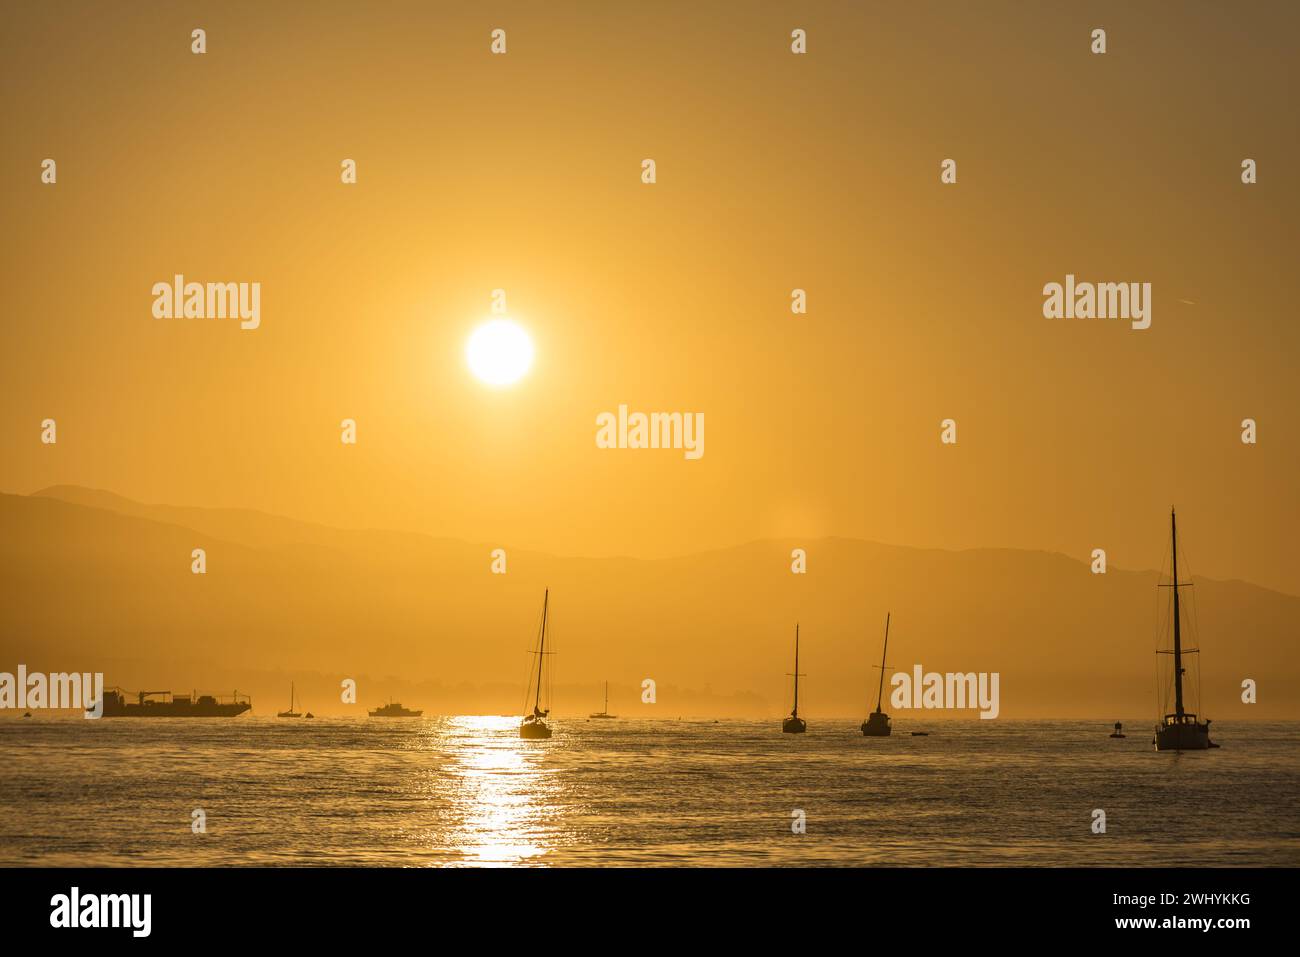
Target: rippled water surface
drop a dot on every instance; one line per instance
(468, 791)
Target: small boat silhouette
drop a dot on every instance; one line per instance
(605, 713)
(534, 726)
(290, 713)
(1179, 730)
(795, 724)
(877, 723)
(394, 709)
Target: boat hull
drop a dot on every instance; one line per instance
(1184, 736)
(876, 725)
(149, 710)
(794, 726)
(394, 711)
(116, 705)
(534, 730)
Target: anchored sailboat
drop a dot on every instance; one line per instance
(290, 713)
(877, 723)
(534, 725)
(795, 724)
(1179, 730)
(605, 713)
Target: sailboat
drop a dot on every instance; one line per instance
(877, 723)
(534, 725)
(795, 724)
(290, 713)
(605, 713)
(1179, 730)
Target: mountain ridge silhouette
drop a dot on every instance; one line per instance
(93, 577)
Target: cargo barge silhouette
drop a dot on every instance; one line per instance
(164, 704)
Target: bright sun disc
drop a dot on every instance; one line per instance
(499, 352)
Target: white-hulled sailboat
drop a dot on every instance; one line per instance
(1179, 730)
(795, 724)
(534, 725)
(877, 723)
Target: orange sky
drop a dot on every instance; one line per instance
(775, 171)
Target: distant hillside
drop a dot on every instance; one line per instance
(92, 581)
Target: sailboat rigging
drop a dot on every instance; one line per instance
(534, 725)
(1179, 730)
(605, 713)
(290, 713)
(877, 723)
(795, 724)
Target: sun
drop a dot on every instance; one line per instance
(499, 352)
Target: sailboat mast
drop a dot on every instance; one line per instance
(541, 652)
(795, 713)
(881, 692)
(607, 697)
(1178, 635)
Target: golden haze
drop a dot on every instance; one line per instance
(775, 172)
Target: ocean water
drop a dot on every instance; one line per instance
(467, 791)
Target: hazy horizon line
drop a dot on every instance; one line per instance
(74, 713)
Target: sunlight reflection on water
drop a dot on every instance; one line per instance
(468, 791)
(503, 789)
